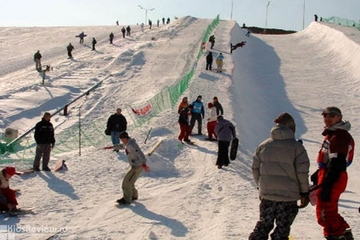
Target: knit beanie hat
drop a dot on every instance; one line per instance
(287, 120)
(124, 135)
(10, 171)
(210, 105)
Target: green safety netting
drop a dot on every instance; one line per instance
(91, 133)
(342, 21)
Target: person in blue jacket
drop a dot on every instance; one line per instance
(197, 114)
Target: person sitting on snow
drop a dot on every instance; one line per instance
(8, 200)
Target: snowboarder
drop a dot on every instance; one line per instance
(233, 47)
(197, 114)
(225, 132)
(219, 62)
(209, 61)
(280, 170)
(81, 36)
(37, 60)
(8, 200)
(137, 161)
(93, 44)
(335, 155)
(111, 38)
(212, 41)
(69, 50)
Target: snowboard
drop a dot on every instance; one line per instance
(234, 148)
(154, 147)
(20, 212)
(211, 139)
(231, 46)
(60, 165)
(26, 171)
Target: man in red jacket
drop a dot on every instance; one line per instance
(334, 157)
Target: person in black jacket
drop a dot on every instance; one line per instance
(69, 49)
(45, 140)
(184, 123)
(93, 44)
(116, 124)
(37, 60)
(209, 61)
(111, 38)
(218, 106)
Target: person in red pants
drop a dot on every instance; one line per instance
(211, 122)
(331, 178)
(8, 200)
(184, 123)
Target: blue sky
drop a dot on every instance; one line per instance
(285, 14)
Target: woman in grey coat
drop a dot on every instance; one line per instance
(225, 132)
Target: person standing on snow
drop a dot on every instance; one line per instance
(111, 38)
(197, 114)
(218, 106)
(183, 121)
(137, 161)
(209, 61)
(69, 49)
(184, 103)
(219, 62)
(37, 60)
(45, 140)
(212, 41)
(128, 31)
(225, 132)
(116, 124)
(334, 157)
(94, 42)
(280, 170)
(123, 31)
(211, 122)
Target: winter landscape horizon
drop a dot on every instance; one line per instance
(184, 196)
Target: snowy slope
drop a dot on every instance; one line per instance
(184, 196)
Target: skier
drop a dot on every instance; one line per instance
(233, 47)
(209, 61)
(111, 38)
(137, 161)
(212, 41)
(37, 60)
(197, 114)
(219, 62)
(69, 50)
(93, 44)
(8, 200)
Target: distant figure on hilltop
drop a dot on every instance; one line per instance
(163, 21)
(158, 23)
(123, 31)
(111, 38)
(117, 23)
(128, 31)
(37, 60)
(233, 47)
(94, 42)
(69, 50)
(81, 36)
(150, 24)
(168, 21)
(316, 17)
(142, 27)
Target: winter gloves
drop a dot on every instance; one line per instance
(304, 201)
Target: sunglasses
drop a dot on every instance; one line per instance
(329, 115)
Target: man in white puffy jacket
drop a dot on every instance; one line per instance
(280, 169)
(137, 163)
